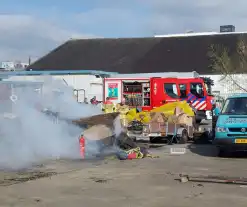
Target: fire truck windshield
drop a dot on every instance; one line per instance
(171, 90)
(197, 89)
(208, 88)
(208, 83)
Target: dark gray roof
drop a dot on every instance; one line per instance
(136, 55)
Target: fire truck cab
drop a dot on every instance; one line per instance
(197, 92)
(148, 93)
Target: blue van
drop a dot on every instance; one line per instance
(231, 125)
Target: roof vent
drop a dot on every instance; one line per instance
(227, 28)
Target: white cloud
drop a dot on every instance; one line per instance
(149, 17)
(170, 16)
(23, 35)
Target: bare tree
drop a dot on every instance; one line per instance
(230, 61)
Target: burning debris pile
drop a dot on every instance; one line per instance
(46, 123)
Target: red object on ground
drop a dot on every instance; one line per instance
(132, 156)
(82, 146)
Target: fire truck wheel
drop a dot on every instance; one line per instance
(184, 137)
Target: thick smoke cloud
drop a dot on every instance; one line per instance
(29, 136)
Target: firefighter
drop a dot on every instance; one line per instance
(215, 113)
(123, 110)
(108, 101)
(119, 105)
(108, 106)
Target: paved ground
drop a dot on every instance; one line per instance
(147, 182)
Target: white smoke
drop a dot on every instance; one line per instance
(118, 129)
(31, 136)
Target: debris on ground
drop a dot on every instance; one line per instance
(136, 153)
(100, 138)
(20, 177)
(214, 179)
(99, 180)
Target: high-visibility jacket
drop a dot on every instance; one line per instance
(108, 107)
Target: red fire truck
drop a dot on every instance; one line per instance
(148, 93)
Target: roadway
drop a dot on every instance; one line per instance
(146, 182)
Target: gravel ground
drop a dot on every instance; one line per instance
(147, 182)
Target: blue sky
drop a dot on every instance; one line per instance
(34, 27)
(96, 17)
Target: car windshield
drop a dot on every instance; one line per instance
(236, 106)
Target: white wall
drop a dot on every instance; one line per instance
(93, 86)
(227, 86)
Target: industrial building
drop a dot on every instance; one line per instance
(166, 53)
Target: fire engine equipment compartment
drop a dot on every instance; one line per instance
(136, 93)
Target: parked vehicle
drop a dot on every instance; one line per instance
(231, 125)
(197, 91)
(148, 93)
(170, 131)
